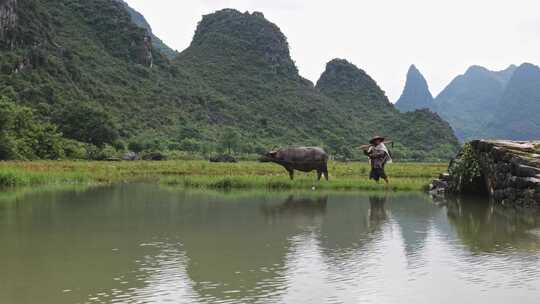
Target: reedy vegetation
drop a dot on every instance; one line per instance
(202, 174)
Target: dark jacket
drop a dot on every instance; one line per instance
(377, 158)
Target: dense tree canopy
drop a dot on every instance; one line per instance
(23, 136)
(87, 124)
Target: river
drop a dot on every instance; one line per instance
(144, 243)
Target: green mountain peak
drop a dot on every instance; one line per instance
(344, 79)
(250, 37)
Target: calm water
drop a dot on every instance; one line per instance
(147, 244)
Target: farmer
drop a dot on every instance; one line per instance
(379, 156)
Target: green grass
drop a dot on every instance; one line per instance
(202, 174)
(21, 192)
(281, 183)
(21, 178)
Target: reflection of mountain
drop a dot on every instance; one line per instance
(244, 244)
(414, 217)
(234, 249)
(350, 226)
(486, 228)
(281, 241)
(302, 206)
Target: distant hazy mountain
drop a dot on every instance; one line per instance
(468, 102)
(416, 94)
(517, 114)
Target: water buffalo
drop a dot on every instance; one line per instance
(305, 159)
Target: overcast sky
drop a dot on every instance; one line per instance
(383, 37)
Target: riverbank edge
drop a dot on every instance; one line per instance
(203, 175)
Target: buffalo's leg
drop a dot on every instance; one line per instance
(291, 173)
(319, 174)
(325, 172)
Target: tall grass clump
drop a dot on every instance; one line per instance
(21, 178)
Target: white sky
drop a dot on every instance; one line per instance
(383, 37)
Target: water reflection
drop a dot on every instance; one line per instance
(484, 227)
(377, 211)
(297, 206)
(145, 244)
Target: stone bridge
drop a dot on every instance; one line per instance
(507, 171)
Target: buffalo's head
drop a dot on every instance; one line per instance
(268, 156)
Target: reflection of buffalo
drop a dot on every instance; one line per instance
(300, 206)
(305, 159)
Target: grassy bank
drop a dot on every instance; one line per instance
(202, 174)
(16, 177)
(282, 183)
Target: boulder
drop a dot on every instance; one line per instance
(130, 156)
(223, 158)
(438, 185)
(112, 159)
(154, 156)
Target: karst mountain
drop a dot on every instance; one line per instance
(67, 59)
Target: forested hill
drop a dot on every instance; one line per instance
(371, 112)
(96, 81)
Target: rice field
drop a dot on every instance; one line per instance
(202, 174)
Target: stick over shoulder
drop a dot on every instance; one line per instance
(366, 147)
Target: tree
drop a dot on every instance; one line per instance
(337, 145)
(136, 146)
(23, 136)
(48, 142)
(190, 145)
(85, 123)
(229, 140)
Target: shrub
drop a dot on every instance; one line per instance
(190, 145)
(74, 149)
(23, 136)
(100, 153)
(136, 146)
(86, 123)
